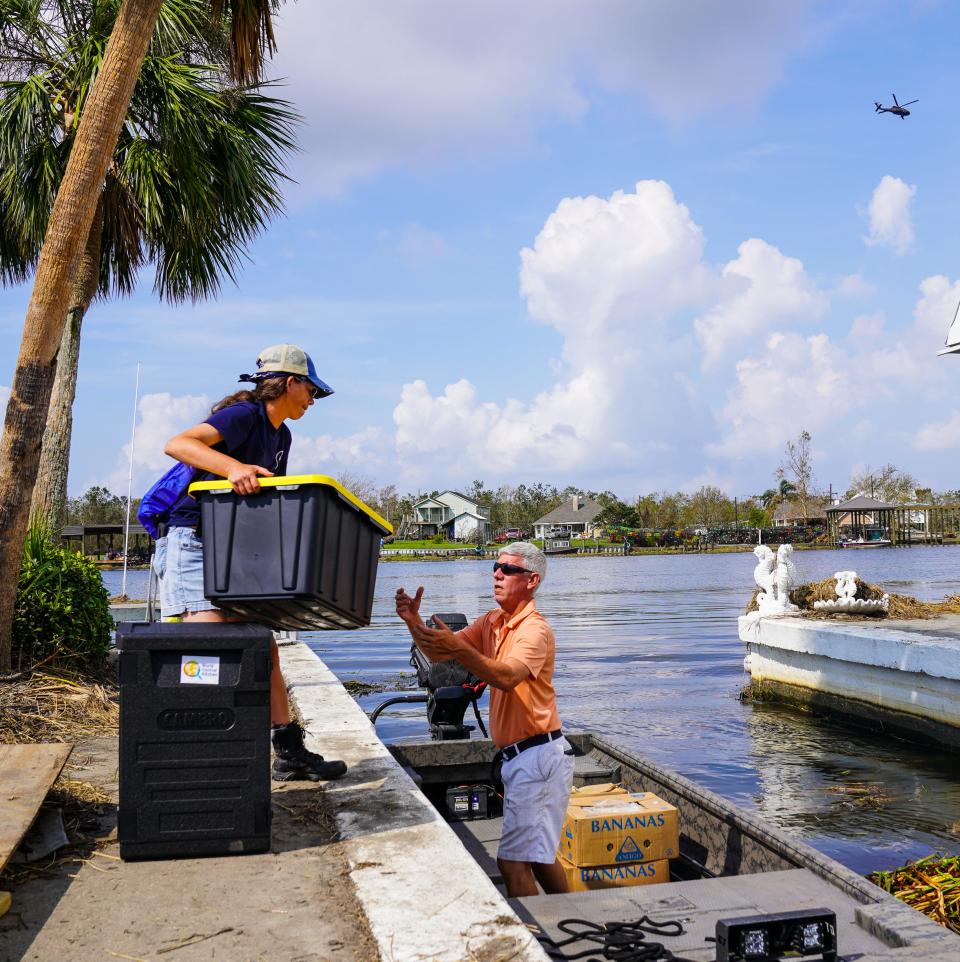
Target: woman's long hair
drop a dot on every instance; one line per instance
(269, 389)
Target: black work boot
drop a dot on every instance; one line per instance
(295, 763)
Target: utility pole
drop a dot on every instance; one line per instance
(736, 516)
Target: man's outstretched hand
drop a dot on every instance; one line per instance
(408, 609)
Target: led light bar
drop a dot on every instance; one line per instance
(778, 936)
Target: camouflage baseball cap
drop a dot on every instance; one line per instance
(287, 359)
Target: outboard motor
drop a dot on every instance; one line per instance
(450, 687)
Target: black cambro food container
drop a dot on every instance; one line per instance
(194, 739)
(301, 553)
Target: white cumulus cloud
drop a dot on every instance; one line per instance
(934, 312)
(867, 328)
(822, 385)
(608, 266)
(160, 417)
(764, 290)
(366, 452)
(854, 286)
(891, 224)
(631, 405)
(941, 435)
(795, 383)
(620, 279)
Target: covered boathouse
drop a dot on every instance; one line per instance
(867, 519)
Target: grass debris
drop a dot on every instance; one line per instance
(57, 705)
(309, 808)
(901, 606)
(930, 885)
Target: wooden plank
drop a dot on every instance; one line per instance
(26, 774)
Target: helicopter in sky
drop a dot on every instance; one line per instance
(899, 109)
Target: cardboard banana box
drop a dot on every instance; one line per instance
(618, 829)
(584, 878)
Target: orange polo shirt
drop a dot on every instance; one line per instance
(531, 707)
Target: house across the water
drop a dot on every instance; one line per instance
(452, 514)
(791, 514)
(575, 518)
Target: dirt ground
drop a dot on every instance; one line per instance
(294, 903)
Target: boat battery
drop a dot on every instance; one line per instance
(468, 802)
(194, 739)
(300, 554)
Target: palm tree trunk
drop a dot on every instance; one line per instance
(50, 490)
(68, 230)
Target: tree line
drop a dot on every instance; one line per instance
(520, 506)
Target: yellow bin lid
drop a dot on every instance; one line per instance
(294, 481)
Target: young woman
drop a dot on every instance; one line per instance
(244, 438)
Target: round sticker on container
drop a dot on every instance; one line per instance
(199, 670)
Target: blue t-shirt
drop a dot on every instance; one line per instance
(247, 436)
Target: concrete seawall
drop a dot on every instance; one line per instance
(424, 896)
(903, 676)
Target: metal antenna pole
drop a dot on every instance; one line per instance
(126, 527)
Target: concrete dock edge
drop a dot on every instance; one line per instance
(425, 898)
(896, 676)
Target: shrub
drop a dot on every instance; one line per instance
(62, 610)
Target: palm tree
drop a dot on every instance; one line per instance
(768, 497)
(102, 114)
(772, 497)
(194, 175)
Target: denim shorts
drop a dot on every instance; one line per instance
(178, 563)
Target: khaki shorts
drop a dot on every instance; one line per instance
(536, 789)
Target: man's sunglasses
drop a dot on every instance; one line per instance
(509, 569)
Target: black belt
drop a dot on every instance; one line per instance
(511, 751)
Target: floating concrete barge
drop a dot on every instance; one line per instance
(901, 676)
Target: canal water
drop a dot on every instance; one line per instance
(648, 653)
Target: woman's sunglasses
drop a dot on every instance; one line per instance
(508, 569)
(311, 387)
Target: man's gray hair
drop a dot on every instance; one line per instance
(533, 558)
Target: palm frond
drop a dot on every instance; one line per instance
(250, 26)
(199, 165)
(32, 161)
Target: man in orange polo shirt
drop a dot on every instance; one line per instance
(512, 649)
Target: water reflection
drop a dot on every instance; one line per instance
(866, 800)
(648, 653)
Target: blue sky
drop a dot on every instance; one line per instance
(629, 244)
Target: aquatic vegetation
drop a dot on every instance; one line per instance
(860, 794)
(930, 885)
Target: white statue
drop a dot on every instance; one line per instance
(846, 585)
(764, 572)
(847, 600)
(785, 576)
(775, 575)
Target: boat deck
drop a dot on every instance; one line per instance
(696, 904)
